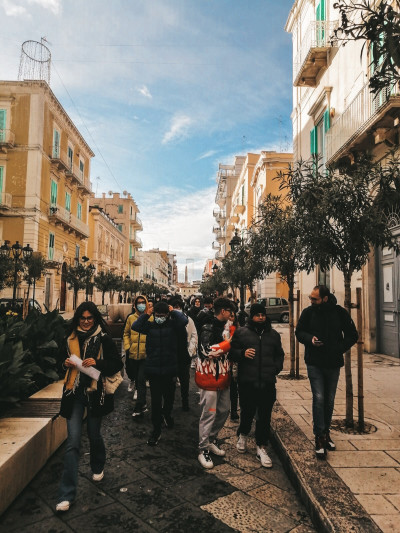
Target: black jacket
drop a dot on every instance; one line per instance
(98, 404)
(333, 326)
(269, 355)
(211, 333)
(162, 343)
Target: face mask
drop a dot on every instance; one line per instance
(160, 319)
(141, 307)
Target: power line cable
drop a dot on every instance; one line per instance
(87, 129)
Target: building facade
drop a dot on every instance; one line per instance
(153, 267)
(44, 182)
(124, 211)
(335, 115)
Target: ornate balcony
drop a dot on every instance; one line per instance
(136, 242)
(5, 200)
(60, 216)
(239, 209)
(137, 223)
(7, 140)
(216, 246)
(59, 159)
(134, 261)
(366, 122)
(221, 236)
(73, 174)
(313, 54)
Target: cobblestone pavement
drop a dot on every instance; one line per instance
(162, 488)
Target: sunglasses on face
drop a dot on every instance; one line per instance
(86, 318)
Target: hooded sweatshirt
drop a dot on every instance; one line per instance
(333, 326)
(133, 341)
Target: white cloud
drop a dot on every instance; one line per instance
(180, 222)
(179, 128)
(52, 5)
(206, 155)
(13, 10)
(145, 91)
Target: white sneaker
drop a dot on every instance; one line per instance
(264, 457)
(205, 459)
(98, 477)
(63, 506)
(241, 443)
(131, 386)
(215, 449)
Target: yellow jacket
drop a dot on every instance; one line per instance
(133, 341)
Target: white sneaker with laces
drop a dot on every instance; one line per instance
(241, 443)
(63, 506)
(215, 449)
(263, 456)
(98, 477)
(131, 386)
(205, 459)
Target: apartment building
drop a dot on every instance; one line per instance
(262, 183)
(124, 211)
(335, 115)
(44, 182)
(106, 246)
(154, 267)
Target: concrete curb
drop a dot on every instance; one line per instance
(331, 504)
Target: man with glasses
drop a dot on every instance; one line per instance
(327, 332)
(257, 349)
(215, 404)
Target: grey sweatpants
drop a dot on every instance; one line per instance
(215, 407)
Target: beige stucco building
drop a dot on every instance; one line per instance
(153, 267)
(335, 115)
(124, 212)
(44, 182)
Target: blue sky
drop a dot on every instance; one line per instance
(164, 90)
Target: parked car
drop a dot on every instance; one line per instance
(6, 304)
(277, 308)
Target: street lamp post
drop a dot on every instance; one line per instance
(236, 245)
(17, 250)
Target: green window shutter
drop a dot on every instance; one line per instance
(320, 13)
(51, 245)
(327, 120)
(81, 169)
(77, 251)
(120, 227)
(3, 117)
(120, 209)
(70, 157)
(53, 192)
(314, 141)
(1, 179)
(79, 211)
(56, 144)
(67, 201)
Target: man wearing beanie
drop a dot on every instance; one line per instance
(257, 349)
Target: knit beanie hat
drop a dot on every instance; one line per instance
(257, 308)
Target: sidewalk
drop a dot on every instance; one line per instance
(368, 464)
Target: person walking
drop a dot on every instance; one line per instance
(257, 348)
(187, 348)
(213, 378)
(161, 363)
(135, 350)
(88, 339)
(327, 331)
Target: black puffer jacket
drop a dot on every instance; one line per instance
(333, 326)
(268, 359)
(161, 343)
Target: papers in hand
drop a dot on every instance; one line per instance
(88, 370)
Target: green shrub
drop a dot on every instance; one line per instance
(28, 354)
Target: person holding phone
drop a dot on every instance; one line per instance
(327, 331)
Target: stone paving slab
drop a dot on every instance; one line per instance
(164, 488)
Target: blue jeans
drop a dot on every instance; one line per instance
(323, 383)
(69, 479)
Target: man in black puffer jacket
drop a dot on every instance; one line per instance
(161, 363)
(258, 350)
(327, 331)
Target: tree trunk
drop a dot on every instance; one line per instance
(360, 368)
(102, 297)
(347, 355)
(292, 372)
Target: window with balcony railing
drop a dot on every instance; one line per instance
(56, 143)
(51, 246)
